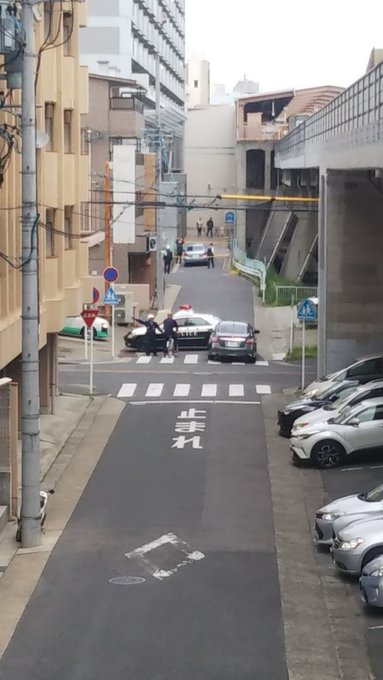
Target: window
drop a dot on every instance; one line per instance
(67, 131)
(369, 367)
(196, 83)
(68, 215)
(49, 113)
(68, 21)
(85, 139)
(139, 198)
(196, 321)
(50, 216)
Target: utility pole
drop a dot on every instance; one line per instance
(159, 264)
(30, 502)
(108, 197)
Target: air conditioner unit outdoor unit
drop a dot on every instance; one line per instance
(123, 312)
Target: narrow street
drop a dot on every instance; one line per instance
(167, 567)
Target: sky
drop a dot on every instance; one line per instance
(284, 44)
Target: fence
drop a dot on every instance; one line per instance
(249, 266)
(290, 295)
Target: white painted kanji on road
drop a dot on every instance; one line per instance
(190, 426)
(181, 441)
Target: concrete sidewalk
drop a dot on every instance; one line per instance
(73, 414)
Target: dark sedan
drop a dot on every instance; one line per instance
(233, 339)
(288, 415)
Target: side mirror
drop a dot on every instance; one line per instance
(354, 422)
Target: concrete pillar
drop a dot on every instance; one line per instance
(300, 243)
(352, 273)
(267, 185)
(240, 165)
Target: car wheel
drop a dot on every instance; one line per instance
(328, 454)
(250, 360)
(375, 552)
(296, 460)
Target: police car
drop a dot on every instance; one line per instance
(194, 330)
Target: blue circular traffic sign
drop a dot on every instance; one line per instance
(96, 295)
(110, 274)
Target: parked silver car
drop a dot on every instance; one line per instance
(364, 370)
(328, 444)
(371, 583)
(350, 508)
(357, 544)
(347, 399)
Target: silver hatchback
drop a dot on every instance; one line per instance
(357, 544)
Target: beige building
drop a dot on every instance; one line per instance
(198, 83)
(62, 186)
(209, 158)
(114, 123)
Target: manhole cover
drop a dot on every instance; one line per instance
(126, 580)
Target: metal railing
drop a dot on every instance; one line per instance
(249, 266)
(290, 295)
(360, 106)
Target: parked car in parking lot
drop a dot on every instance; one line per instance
(371, 582)
(328, 444)
(346, 400)
(75, 325)
(234, 339)
(357, 544)
(350, 508)
(322, 399)
(364, 370)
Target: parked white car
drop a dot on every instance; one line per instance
(328, 444)
(364, 370)
(361, 393)
(75, 325)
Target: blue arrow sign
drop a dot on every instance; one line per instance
(307, 311)
(110, 297)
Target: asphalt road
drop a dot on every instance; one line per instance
(167, 568)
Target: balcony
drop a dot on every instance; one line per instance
(126, 117)
(127, 104)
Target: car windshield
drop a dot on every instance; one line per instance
(233, 328)
(346, 413)
(338, 398)
(374, 495)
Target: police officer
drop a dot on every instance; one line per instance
(170, 331)
(150, 337)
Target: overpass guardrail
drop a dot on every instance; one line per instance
(250, 267)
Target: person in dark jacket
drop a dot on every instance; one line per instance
(168, 260)
(170, 331)
(210, 226)
(179, 250)
(150, 337)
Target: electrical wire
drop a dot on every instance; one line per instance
(32, 247)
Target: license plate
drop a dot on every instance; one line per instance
(232, 344)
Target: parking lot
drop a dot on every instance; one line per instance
(329, 633)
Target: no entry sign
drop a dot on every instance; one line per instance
(89, 316)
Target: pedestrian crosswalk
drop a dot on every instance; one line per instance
(183, 390)
(187, 359)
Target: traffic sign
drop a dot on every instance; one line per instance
(89, 316)
(96, 295)
(110, 297)
(230, 217)
(307, 310)
(110, 274)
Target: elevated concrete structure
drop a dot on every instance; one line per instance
(344, 142)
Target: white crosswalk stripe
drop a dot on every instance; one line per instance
(181, 390)
(191, 359)
(127, 390)
(236, 390)
(262, 363)
(263, 389)
(144, 360)
(167, 360)
(209, 390)
(154, 390)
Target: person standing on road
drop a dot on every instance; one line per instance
(210, 226)
(199, 226)
(170, 331)
(210, 256)
(150, 337)
(168, 257)
(179, 250)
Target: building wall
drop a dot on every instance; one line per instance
(209, 157)
(62, 185)
(198, 83)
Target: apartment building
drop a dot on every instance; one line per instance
(121, 172)
(62, 186)
(124, 37)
